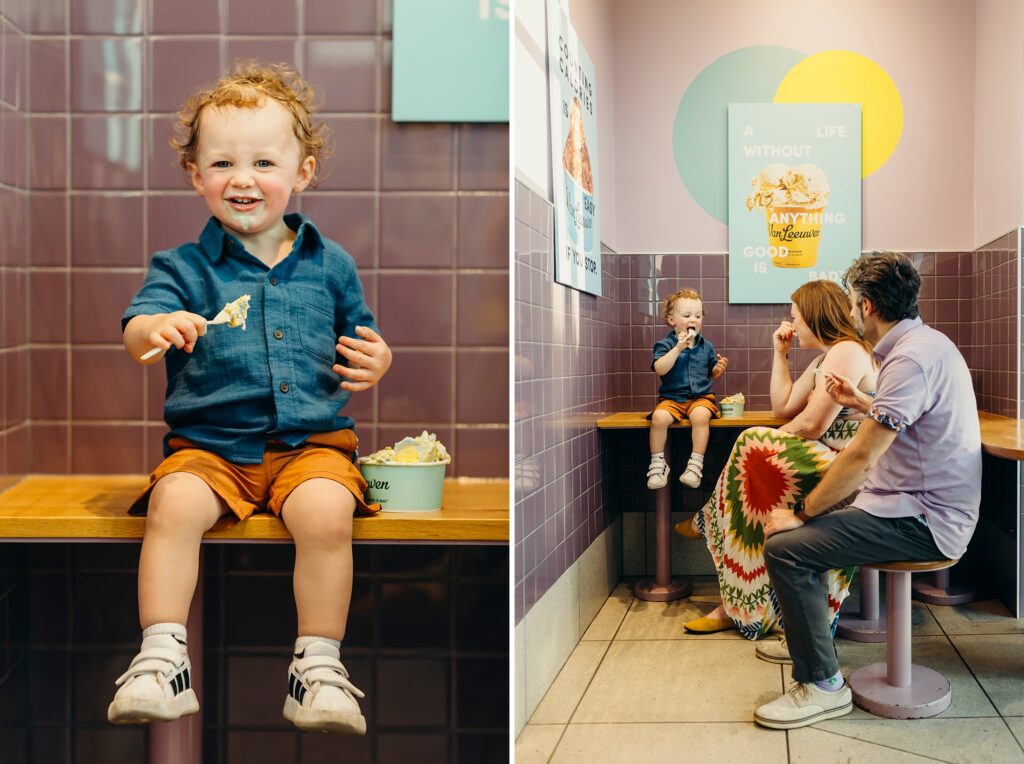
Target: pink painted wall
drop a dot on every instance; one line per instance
(999, 133)
(921, 199)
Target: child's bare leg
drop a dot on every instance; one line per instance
(181, 508)
(657, 471)
(660, 421)
(318, 514)
(700, 430)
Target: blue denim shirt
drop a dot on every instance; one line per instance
(691, 375)
(274, 379)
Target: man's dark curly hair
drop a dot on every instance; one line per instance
(889, 280)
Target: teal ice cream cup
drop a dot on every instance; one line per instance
(404, 487)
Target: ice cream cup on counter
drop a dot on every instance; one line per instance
(732, 405)
(408, 477)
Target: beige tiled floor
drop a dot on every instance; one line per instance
(637, 689)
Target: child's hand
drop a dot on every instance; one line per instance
(720, 366)
(782, 339)
(686, 339)
(368, 358)
(180, 329)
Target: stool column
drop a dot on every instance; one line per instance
(897, 657)
(941, 591)
(663, 588)
(868, 625)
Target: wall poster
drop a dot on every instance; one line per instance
(573, 156)
(794, 196)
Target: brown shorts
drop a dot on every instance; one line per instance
(681, 411)
(247, 488)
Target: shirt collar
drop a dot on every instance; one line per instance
(214, 240)
(888, 342)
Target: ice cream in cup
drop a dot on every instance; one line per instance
(793, 200)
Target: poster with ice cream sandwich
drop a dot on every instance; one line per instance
(573, 91)
(794, 196)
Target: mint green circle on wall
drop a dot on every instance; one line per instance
(747, 75)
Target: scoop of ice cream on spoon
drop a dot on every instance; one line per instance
(233, 314)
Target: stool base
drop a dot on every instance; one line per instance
(927, 695)
(954, 594)
(649, 590)
(861, 629)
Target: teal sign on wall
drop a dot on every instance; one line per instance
(794, 196)
(450, 61)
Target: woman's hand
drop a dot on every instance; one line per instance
(781, 520)
(368, 359)
(843, 392)
(782, 339)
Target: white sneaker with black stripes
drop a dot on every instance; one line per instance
(320, 696)
(157, 684)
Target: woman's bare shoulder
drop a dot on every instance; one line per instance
(848, 350)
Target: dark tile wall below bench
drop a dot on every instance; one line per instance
(427, 641)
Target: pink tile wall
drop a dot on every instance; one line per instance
(569, 365)
(15, 242)
(422, 208)
(989, 280)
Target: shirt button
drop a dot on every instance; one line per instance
(273, 281)
(278, 334)
(284, 387)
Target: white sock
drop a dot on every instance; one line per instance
(173, 629)
(302, 642)
(658, 457)
(698, 459)
(833, 684)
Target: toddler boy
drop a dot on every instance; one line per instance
(686, 363)
(254, 415)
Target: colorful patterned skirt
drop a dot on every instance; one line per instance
(767, 469)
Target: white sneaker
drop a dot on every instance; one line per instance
(657, 474)
(156, 686)
(804, 704)
(692, 475)
(320, 696)
(773, 650)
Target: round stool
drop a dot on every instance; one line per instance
(869, 624)
(897, 689)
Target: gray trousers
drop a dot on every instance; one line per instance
(840, 539)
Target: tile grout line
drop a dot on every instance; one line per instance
(632, 599)
(883, 745)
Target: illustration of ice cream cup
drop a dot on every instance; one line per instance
(793, 200)
(794, 234)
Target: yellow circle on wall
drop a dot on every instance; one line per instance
(842, 76)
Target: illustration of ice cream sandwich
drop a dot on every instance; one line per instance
(575, 155)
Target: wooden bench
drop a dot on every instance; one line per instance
(93, 508)
(1000, 436)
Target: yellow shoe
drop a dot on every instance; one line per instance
(705, 625)
(685, 529)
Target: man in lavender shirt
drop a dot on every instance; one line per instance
(918, 455)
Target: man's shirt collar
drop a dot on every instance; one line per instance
(888, 342)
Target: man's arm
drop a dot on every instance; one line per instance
(844, 476)
(851, 468)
